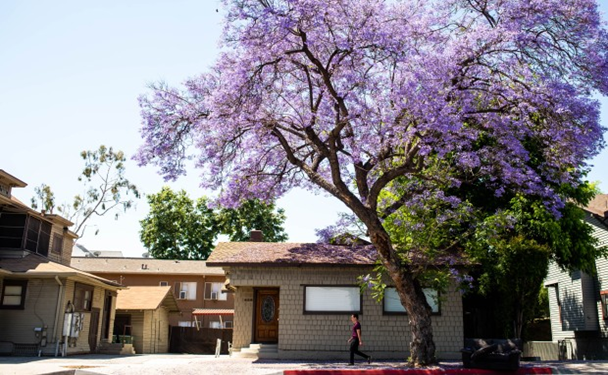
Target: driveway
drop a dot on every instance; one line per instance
(184, 364)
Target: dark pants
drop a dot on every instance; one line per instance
(354, 349)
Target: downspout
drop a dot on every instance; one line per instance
(58, 313)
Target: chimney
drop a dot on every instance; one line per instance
(256, 236)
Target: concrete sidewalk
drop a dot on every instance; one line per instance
(184, 364)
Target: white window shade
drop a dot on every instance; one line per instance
(215, 290)
(392, 303)
(190, 290)
(11, 301)
(332, 299)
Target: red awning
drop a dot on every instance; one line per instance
(213, 312)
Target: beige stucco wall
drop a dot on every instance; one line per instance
(325, 336)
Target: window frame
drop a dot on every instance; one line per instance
(220, 296)
(57, 239)
(78, 302)
(163, 283)
(437, 313)
(13, 282)
(180, 288)
(604, 303)
(332, 312)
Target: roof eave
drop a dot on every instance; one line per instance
(284, 264)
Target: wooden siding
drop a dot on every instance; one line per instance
(66, 252)
(600, 231)
(579, 294)
(40, 310)
(156, 331)
(150, 329)
(137, 329)
(323, 336)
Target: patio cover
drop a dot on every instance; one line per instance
(213, 312)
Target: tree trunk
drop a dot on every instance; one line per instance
(422, 346)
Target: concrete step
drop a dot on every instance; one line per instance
(266, 351)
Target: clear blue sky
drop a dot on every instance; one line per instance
(70, 75)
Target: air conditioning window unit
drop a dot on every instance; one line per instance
(213, 295)
(182, 294)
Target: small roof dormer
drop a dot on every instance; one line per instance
(8, 182)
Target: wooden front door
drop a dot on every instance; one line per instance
(107, 313)
(93, 330)
(267, 316)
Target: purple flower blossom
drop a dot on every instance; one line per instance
(372, 100)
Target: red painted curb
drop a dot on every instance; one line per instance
(460, 371)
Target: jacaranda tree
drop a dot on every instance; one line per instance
(405, 99)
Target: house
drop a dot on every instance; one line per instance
(294, 300)
(46, 306)
(578, 301)
(142, 315)
(81, 251)
(196, 287)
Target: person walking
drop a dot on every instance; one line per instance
(355, 341)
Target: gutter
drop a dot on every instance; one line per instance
(58, 313)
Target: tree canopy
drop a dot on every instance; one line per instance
(515, 245)
(105, 190)
(178, 227)
(387, 105)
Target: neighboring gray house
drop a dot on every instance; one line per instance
(578, 301)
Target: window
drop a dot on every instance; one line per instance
(83, 297)
(13, 294)
(332, 299)
(604, 302)
(559, 302)
(213, 291)
(392, 304)
(228, 324)
(19, 231)
(187, 290)
(215, 325)
(163, 283)
(57, 243)
(38, 236)
(183, 323)
(12, 226)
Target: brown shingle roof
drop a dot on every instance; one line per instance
(599, 205)
(227, 253)
(315, 254)
(145, 266)
(146, 298)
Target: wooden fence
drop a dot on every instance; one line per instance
(198, 341)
